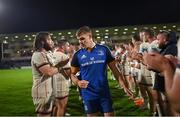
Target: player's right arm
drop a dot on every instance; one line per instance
(76, 81)
(42, 65)
(48, 70)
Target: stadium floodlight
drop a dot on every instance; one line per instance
(5, 42)
(116, 29)
(126, 29)
(154, 27)
(3, 6)
(69, 33)
(135, 28)
(26, 35)
(33, 35)
(59, 33)
(97, 34)
(174, 26)
(106, 37)
(98, 37)
(16, 37)
(106, 30)
(164, 26)
(133, 32)
(124, 32)
(6, 37)
(51, 34)
(97, 30)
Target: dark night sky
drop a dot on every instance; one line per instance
(18, 16)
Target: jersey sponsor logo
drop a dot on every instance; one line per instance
(100, 52)
(92, 58)
(83, 56)
(92, 62)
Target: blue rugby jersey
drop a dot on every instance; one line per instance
(93, 68)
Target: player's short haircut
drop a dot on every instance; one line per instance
(83, 30)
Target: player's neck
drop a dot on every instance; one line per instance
(91, 47)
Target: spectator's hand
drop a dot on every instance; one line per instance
(83, 83)
(156, 61)
(173, 60)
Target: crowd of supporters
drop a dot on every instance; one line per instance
(147, 83)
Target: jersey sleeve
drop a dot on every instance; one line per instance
(109, 55)
(75, 62)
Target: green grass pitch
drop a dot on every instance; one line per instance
(16, 100)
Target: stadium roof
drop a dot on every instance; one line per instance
(20, 16)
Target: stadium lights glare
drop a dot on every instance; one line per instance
(69, 33)
(5, 42)
(116, 29)
(126, 29)
(6, 37)
(164, 26)
(124, 32)
(174, 26)
(71, 36)
(133, 32)
(26, 35)
(107, 30)
(30, 39)
(33, 35)
(135, 28)
(155, 27)
(169, 29)
(18, 52)
(59, 33)
(98, 37)
(102, 42)
(97, 34)
(51, 34)
(16, 37)
(106, 33)
(106, 37)
(97, 30)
